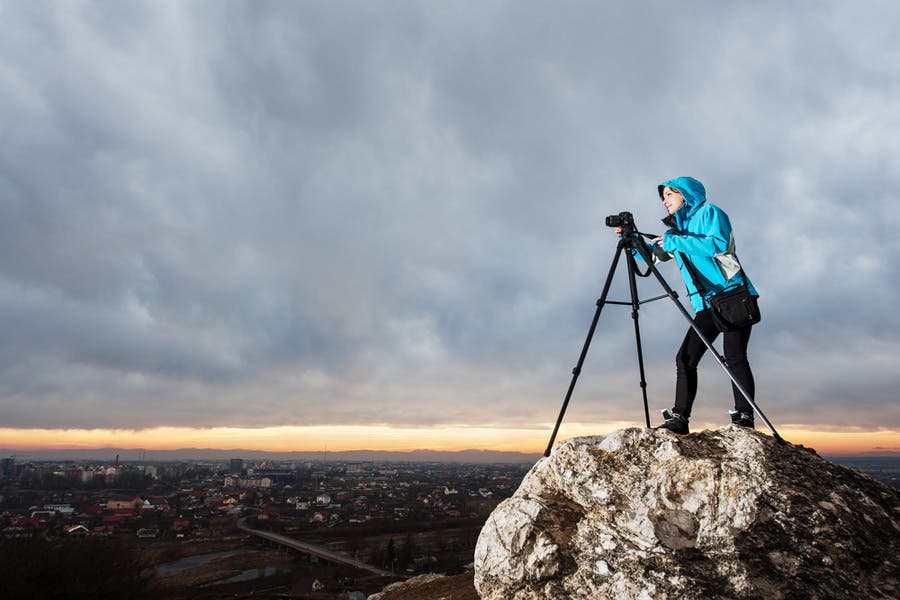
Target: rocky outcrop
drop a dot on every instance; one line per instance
(644, 513)
(430, 587)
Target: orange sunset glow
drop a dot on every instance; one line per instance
(340, 438)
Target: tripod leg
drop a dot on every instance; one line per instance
(587, 343)
(645, 254)
(635, 307)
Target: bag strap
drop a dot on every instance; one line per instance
(690, 267)
(670, 221)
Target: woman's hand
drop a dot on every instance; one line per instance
(658, 240)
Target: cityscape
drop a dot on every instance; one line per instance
(186, 528)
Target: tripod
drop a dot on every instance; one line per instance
(629, 241)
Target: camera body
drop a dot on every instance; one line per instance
(623, 219)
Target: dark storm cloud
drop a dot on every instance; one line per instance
(267, 213)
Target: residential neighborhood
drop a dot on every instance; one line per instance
(402, 518)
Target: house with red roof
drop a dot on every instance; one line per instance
(124, 502)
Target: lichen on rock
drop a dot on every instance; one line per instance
(643, 513)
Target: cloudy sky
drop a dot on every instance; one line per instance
(385, 220)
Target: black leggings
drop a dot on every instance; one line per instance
(692, 350)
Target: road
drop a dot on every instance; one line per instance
(319, 551)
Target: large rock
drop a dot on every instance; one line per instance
(643, 513)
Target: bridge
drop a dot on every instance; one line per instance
(319, 551)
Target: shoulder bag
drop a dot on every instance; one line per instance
(731, 309)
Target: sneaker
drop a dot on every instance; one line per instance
(741, 418)
(674, 422)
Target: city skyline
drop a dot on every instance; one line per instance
(381, 225)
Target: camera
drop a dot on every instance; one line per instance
(623, 219)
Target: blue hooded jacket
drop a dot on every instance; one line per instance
(702, 231)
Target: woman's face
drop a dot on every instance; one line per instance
(672, 199)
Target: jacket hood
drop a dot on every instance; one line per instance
(694, 196)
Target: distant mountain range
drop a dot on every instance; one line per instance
(130, 455)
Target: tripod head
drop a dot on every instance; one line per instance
(630, 234)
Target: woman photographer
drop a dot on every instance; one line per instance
(700, 240)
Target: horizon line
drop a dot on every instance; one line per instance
(16, 452)
(528, 440)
